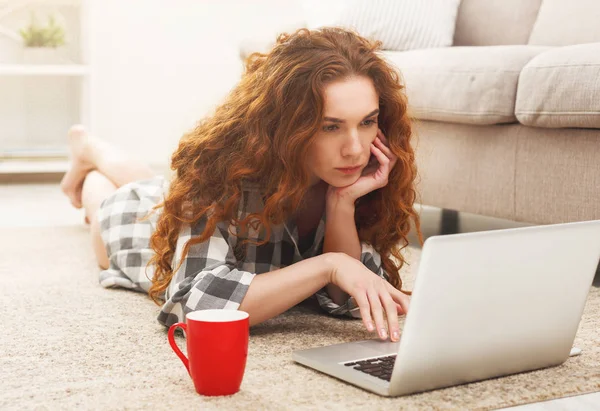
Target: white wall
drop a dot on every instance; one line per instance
(158, 66)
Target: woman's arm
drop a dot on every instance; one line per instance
(274, 292)
(210, 277)
(340, 236)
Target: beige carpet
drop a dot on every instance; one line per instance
(67, 343)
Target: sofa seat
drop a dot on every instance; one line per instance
(469, 85)
(561, 88)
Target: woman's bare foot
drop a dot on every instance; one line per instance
(81, 164)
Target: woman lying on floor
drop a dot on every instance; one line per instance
(301, 183)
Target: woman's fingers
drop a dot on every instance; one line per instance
(381, 135)
(381, 145)
(365, 311)
(384, 167)
(377, 312)
(378, 152)
(399, 297)
(392, 315)
(399, 309)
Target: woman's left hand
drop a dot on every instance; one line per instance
(374, 175)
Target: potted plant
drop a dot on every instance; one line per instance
(43, 44)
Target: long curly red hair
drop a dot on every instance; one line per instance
(261, 133)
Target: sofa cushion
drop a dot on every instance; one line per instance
(472, 85)
(561, 88)
(399, 25)
(492, 23)
(564, 23)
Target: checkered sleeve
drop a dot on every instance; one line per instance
(208, 277)
(372, 260)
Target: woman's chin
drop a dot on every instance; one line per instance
(344, 180)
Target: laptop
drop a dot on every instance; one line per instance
(484, 305)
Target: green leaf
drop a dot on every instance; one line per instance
(51, 35)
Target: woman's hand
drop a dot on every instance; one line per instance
(374, 175)
(373, 294)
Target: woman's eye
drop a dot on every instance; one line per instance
(370, 122)
(334, 127)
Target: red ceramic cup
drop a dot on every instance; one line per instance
(217, 347)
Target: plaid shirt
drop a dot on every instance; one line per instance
(215, 273)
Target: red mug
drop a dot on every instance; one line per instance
(217, 347)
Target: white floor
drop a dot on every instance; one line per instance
(27, 205)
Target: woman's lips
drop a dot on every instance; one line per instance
(349, 170)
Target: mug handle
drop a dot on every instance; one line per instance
(174, 344)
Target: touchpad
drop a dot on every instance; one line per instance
(381, 347)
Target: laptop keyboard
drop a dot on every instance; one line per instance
(380, 367)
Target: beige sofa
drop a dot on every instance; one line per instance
(508, 119)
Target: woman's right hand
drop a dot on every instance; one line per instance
(372, 293)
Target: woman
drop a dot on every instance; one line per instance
(304, 175)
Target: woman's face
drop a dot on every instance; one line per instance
(346, 134)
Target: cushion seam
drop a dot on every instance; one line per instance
(489, 113)
(563, 65)
(560, 113)
(492, 70)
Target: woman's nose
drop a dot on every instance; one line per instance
(353, 145)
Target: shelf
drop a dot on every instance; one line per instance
(41, 97)
(33, 167)
(43, 70)
(13, 5)
(34, 153)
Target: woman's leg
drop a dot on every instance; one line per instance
(91, 153)
(96, 187)
(97, 170)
